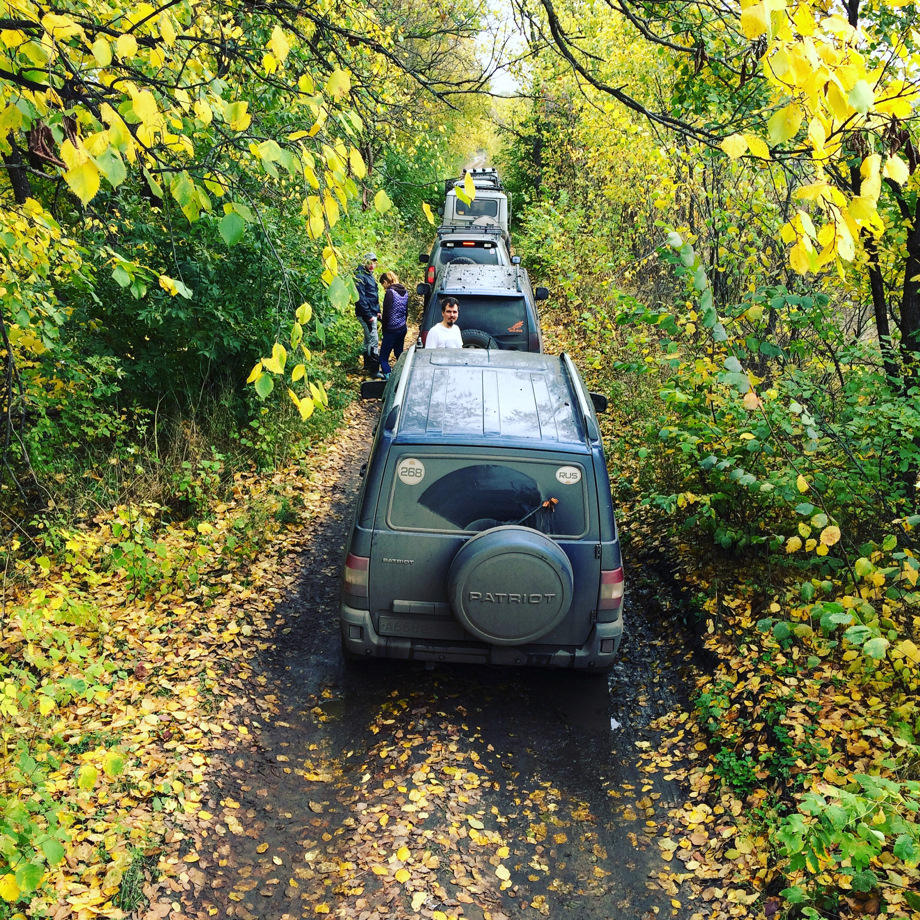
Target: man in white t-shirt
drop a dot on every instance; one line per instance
(446, 333)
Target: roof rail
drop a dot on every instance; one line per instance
(587, 413)
(392, 420)
(488, 175)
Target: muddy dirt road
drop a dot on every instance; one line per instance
(389, 790)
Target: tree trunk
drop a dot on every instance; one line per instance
(16, 168)
(853, 12)
(910, 301)
(367, 154)
(880, 306)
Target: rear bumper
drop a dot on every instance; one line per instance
(361, 640)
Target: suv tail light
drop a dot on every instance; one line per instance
(533, 341)
(424, 337)
(611, 590)
(356, 580)
(430, 276)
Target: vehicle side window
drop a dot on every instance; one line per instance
(469, 495)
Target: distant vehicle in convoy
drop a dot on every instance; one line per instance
(465, 245)
(498, 306)
(492, 204)
(484, 530)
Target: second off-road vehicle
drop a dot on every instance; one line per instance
(498, 306)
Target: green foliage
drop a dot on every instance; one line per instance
(713, 704)
(746, 455)
(131, 890)
(145, 561)
(846, 831)
(58, 666)
(196, 484)
(32, 834)
(736, 771)
(105, 431)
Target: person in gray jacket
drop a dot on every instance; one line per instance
(367, 309)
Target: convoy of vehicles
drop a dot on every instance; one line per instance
(484, 529)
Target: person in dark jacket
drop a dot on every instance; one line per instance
(367, 309)
(395, 315)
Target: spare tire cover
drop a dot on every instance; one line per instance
(510, 585)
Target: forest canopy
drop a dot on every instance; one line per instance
(179, 187)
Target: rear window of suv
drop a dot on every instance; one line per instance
(497, 315)
(449, 494)
(478, 207)
(479, 252)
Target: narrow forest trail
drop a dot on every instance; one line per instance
(391, 790)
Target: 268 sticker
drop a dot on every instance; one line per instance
(411, 471)
(568, 475)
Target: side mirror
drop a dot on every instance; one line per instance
(423, 289)
(599, 401)
(373, 389)
(441, 209)
(515, 260)
(423, 258)
(541, 293)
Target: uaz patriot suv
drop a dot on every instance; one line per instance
(484, 529)
(498, 306)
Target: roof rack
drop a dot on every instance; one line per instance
(485, 178)
(493, 229)
(392, 420)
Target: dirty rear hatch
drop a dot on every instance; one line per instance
(479, 446)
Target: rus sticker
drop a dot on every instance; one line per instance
(412, 471)
(568, 475)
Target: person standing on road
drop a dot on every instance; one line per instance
(446, 334)
(367, 309)
(395, 315)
